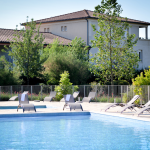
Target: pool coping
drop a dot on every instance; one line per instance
(122, 116)
(45, 114)
(15, 107)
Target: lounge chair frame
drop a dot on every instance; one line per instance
(129, 105)
(71, 104)
(89, 98)
(50, 97)
(25, 104)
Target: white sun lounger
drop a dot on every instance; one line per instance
(24, 103)
(50, 97)
(70, 103)
(75, 95)
(143, 108)
(74, 106)
(129, 104)
(89, 98)
(13, 98)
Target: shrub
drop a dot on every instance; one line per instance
(139, 81)
(137, 102)
(130, 95)
(125, 98)
(118, 82)
(103, 99)
(111, 100)
(8, 78)
(65, 86)
(56, 64)
(118, 100)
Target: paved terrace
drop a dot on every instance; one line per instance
(55, 107)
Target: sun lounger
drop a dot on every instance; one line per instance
(74, 106)
(131, 107)
(24, 103)
(75, 95)
(28, 107)
(13, 98)
(89, 98)
(50, 97)
(130, 103)
(69, 103)
(143, 108)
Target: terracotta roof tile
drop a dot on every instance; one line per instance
(6, 36)
(81, 15)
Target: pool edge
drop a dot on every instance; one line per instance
(45, 114)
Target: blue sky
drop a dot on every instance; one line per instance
(14, 12)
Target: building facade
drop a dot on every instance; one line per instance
(78, 24)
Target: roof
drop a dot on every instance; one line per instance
(7, 35)
(83, 14)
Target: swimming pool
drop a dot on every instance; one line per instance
(89, 132)
(15, 107)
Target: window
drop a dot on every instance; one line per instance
(140, 55)
(65, 28)
(143, 32)
(47, 29)
(62, 28)
(44, 29)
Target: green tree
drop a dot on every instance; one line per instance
(26, 49)
(65, 86)
(58, 63)
(139, 84)
(55, 48)
(72, 58)
(79, 49)
(8, 76)
(116, 58)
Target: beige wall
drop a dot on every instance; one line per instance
(79, 28)
(143, 45)
(74, 28)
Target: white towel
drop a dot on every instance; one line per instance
(22, 97)
(68, 97)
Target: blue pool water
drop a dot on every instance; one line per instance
(90, 132)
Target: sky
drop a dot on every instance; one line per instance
(14, 12)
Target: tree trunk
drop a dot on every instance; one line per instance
(111, 60)
(28, 69)
(111, 67)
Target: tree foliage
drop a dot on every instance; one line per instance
(140, 81)
(57, 64)
(72, 58)
(26, 49)
(77, 47)
(116, 58)
(7, 76)
(65, 86)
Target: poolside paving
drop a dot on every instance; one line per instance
(54, 107)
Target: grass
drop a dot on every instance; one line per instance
(6, 96)
(104, 99)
